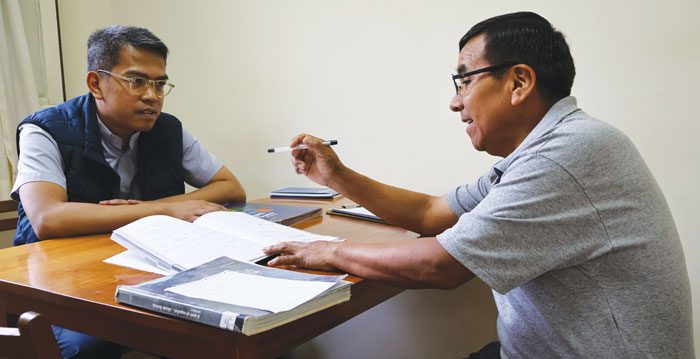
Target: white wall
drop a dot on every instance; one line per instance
(374, 75)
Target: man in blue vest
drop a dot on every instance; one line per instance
(109, 157)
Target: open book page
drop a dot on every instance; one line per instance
(131, 259)
(183, 244)
(252, 290)
(255, 229)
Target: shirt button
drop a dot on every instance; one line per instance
(124, 190)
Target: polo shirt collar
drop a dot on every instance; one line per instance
(551, 119)
(112, 139)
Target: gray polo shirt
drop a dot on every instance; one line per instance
(577, 241)
(40, 160)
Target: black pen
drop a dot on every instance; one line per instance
(299, 147)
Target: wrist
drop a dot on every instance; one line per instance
(338, 179)
(332, 254)
(162, 208)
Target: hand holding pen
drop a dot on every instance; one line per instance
(313, 157)
(299, 147)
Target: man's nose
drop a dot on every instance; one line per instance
(456, 104)
(150, 93)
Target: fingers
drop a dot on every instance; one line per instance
(308, 140)
(204, 207)
(275, 249)
(313, 142)
(283, 261)
(192, 209)
(219, 207)
(285, 253)
(213, 207)
(114, 202)
(299, 167)
(297, 140)
(313, 255)
(119, 201)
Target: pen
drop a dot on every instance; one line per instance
(299, 147)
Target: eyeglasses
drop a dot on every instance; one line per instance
(138, 85)
(460, 83)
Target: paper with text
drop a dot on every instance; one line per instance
(132, 260)
(252, 290)
(255, 229)
(175, 241)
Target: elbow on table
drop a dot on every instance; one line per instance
(235, 194)
(239, 196)
(47, 227)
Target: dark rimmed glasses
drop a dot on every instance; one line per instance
(460, 84)
(138, 85)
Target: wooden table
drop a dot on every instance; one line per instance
(66, 280)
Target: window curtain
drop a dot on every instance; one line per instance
(18, 92)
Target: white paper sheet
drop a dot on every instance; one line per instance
(255, 229)
(132, 260)
(273, 294)
(358, 210)
(186, 244)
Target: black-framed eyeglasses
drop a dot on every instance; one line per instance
(138, 85)
(460, 84)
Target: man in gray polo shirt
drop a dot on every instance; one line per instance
(570, 229)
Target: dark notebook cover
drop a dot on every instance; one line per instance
(153, 295)
(304, 192)
(279, 213)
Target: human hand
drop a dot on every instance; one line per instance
(119, 202)
(192, 209)
(314, 255)
(318, 162)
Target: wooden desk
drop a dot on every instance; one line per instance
(67, 281)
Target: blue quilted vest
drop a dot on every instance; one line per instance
(89, 178)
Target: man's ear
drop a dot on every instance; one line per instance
(93, 80)
(524, 80)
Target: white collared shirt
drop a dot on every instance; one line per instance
(40, 160)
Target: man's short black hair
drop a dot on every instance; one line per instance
(528, 38)
(104, 45)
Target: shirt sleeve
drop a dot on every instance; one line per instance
(465, 198)
(39, 159)
(200, 165)
(536, 219)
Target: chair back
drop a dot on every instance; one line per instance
(8, 211)
(32, 339)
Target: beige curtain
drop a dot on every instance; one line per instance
(18, 92)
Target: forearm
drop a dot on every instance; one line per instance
(420, 263)
(222, 188)
(404, 208)
(66, 219)
(217, 192)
